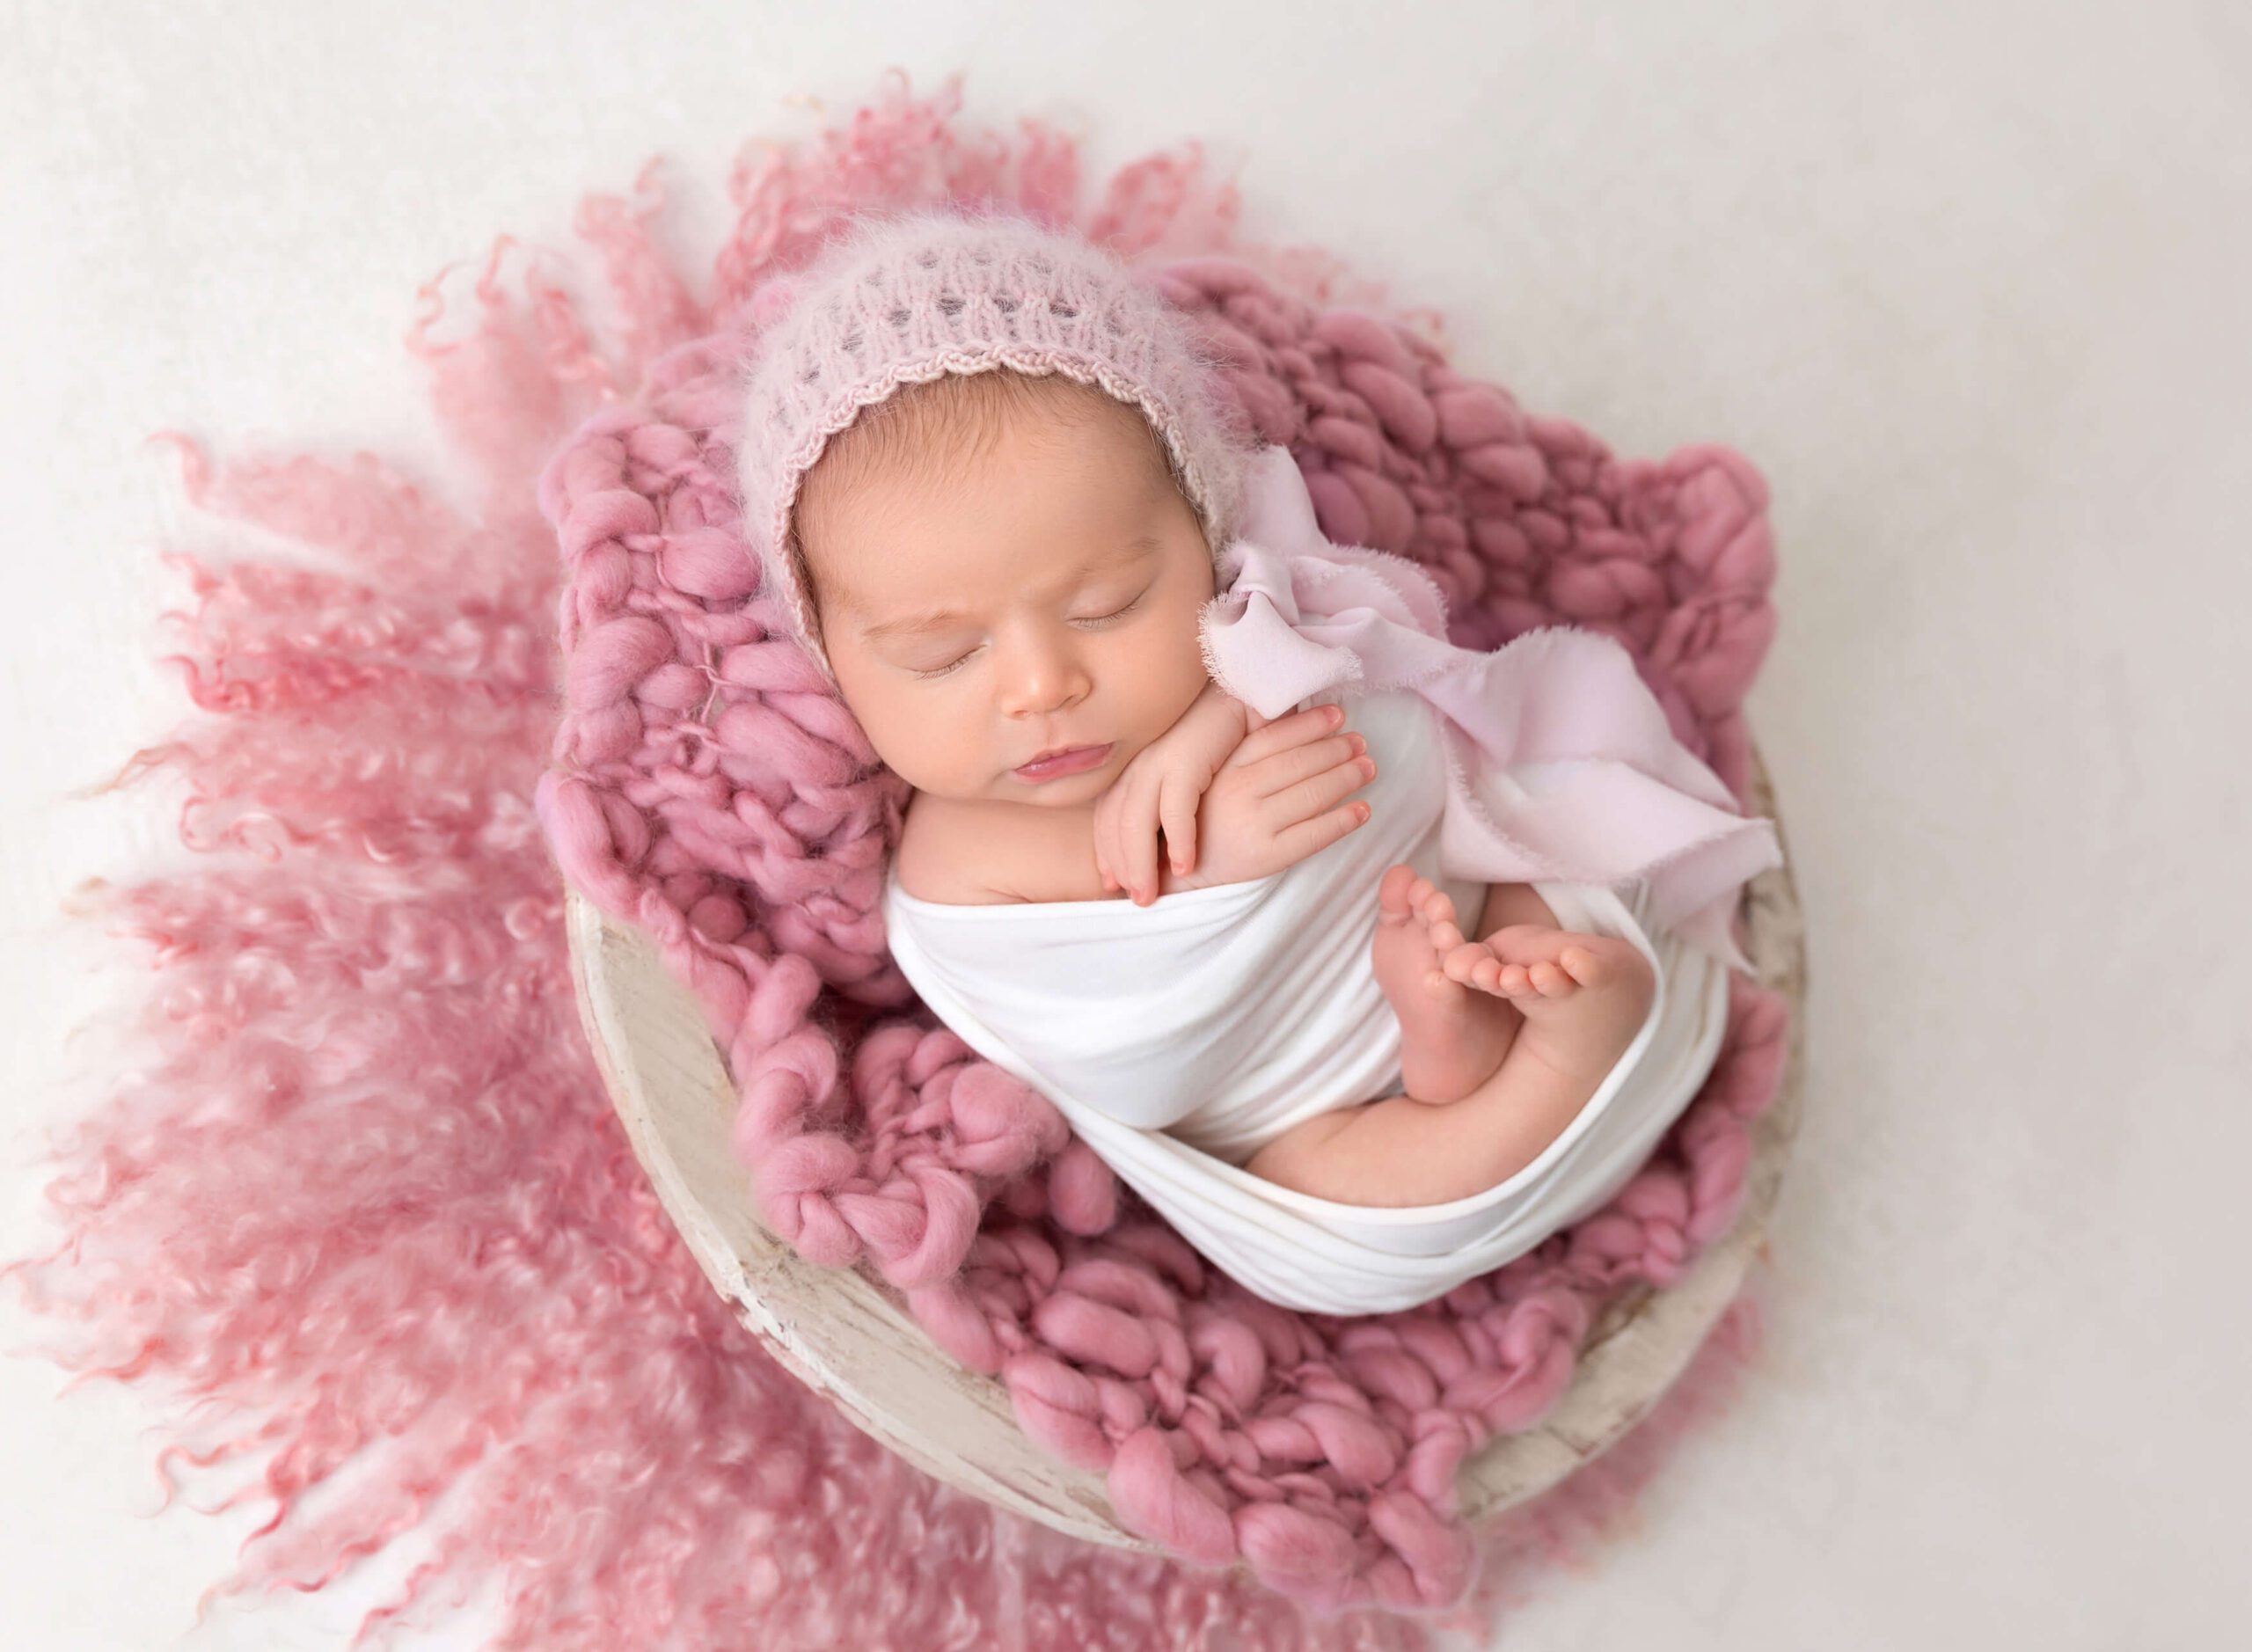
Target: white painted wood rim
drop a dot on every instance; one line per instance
(846, 1334)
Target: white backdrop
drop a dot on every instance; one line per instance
(1967, 282)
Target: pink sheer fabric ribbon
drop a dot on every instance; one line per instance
(1562, 765)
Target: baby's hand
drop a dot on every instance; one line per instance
(1160, 789)
(1281, 797)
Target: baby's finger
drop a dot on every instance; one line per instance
(1177, 814)
(1308, 836)
(1310, 797)
(1144, 883)
(1285, 732)
(1113, 815)
(1342, 754)
(1142, 849)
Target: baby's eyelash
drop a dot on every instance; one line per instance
(1120, 613)
(1098, 619)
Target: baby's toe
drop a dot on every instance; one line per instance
(1395, 895)
(1551, 982)
(1589, 968)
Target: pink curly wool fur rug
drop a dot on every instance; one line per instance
(361, 1195)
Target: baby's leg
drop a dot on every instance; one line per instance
(1453, 1034)
(1404, 1151)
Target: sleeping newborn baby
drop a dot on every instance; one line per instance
(1350, 1030)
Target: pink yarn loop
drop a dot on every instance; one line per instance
(1154, 1500)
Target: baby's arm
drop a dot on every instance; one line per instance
(1277, 798)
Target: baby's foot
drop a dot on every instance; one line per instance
(1583, 997)
(1451, 1037)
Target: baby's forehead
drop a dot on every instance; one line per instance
(894, 576)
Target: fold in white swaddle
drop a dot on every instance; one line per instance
(1177, 1039)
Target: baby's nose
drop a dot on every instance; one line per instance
(1046, 680)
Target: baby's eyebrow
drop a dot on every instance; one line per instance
(914, 624)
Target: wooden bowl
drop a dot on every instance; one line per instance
(848, 1334)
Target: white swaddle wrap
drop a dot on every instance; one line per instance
(1179, 1038)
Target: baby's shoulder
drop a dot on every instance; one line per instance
(934, 861)
(968, 854)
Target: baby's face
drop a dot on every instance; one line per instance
(1042, 595)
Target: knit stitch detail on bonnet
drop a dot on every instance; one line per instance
(906, 297)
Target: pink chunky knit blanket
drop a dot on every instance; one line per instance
(710, 789)
(353, 1187)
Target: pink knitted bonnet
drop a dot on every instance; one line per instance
(906, 297)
